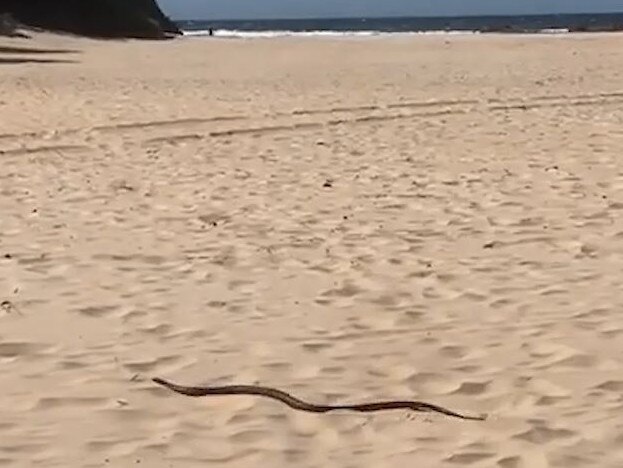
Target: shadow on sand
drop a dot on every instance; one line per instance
(10, 51)
(32, 50)
(18, 60)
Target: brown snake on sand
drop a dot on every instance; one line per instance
(301, 405)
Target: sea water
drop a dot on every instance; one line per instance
(364, 27)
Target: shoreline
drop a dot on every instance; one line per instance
(333, 34)
(389, 36)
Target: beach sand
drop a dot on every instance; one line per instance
(432, 218)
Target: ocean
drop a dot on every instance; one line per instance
(421, 25)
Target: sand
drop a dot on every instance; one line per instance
(432, 218)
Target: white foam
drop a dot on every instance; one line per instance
(234, 33)
(554, 31)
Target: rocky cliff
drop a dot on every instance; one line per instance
(96, 18)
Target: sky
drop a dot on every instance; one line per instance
(256, 9)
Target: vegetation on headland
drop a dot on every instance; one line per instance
(95, 18)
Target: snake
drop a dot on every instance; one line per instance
(297, 404)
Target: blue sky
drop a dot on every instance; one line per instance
(245, 9)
